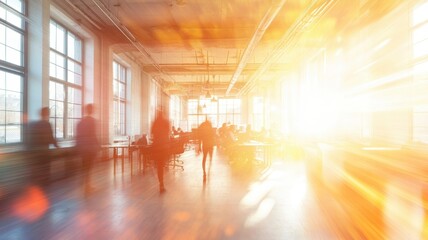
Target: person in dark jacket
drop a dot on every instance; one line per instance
(161, 145)
(207, 140)
(87, 144)
(39, 138)
(40, 134)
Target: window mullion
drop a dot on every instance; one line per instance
(13, 27)
(124, 101)
(65, 113)
(65, 117)
(71, 90)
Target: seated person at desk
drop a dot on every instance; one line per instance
(243, 150)
(174, 131)
(223, 133)
(142, 144)
(179, 132)
(263, 135)
(247, 136)
(142, 141)
(231, 135)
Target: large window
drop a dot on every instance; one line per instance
(219, 112)
(420, 70)
(65, 86)
(258, 113)
(12, 30)
(175, 111)
(119, 99)
(229, 111)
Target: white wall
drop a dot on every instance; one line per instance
(38, 57)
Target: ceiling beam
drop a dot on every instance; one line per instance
(216, 69)
(187, 85)
(310, 17)
(260, 31)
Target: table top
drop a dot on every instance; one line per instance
(114, 145)
(381, 148)
(254, 144)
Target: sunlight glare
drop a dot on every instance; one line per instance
(255, 195)
(261, 213)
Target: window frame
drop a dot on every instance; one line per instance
(419, 131)
(7, 67)
(120, 102)
(213, 111)
(69, 120)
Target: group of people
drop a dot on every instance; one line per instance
(161, 144)
(229, 134)
(176, 132)
(39, 137)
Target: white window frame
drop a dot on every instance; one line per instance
(120, 83)
(12, 71)
(66, 89)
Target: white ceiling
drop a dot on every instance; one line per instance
(224, 46)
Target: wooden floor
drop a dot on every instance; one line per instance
(234, 202)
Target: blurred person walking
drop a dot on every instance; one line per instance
(161, 145)
(39, 138)
(87, 144)
(207, 140)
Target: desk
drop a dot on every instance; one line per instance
(251, 151)
(116, 148)
(381, 148)
(145, 152)
(174, 150)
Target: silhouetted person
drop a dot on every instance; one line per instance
(207, 140)
(249, 134)
(250, 153)
(40, 134)
(87, 144)
(161, 140)
(143, 140)
(39, 138)
(179, 131)
(223, 135)
(174, 131)
(263, 135)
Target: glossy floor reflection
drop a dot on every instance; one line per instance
(232, 203)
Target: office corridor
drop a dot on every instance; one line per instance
(279, 203)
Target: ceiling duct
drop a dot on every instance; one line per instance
(75, 8)
(261, 28)
(116, 22)
(312, 14)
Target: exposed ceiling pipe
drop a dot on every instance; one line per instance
(312, 14)
(260, 30)
(83, 14)
(116, 22)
